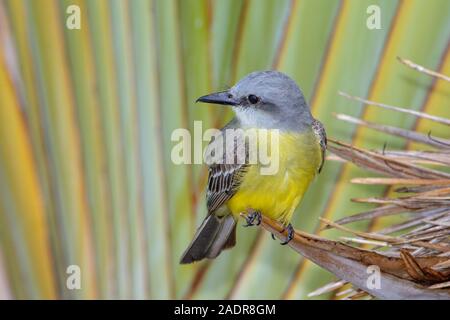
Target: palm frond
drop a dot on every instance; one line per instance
(413, 255)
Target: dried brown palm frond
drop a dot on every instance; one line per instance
(413, 256)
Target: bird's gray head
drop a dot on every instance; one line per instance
(266, 99)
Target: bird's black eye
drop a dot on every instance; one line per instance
(253, 99)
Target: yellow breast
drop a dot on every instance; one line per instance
(277, 195)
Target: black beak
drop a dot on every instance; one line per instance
(223, 97)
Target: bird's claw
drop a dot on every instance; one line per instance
(251, 217)
(290, 234)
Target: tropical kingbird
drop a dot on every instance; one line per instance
(271, 101)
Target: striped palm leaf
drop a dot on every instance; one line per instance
(86, 118)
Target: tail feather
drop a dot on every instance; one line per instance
(214, 235)
(231, 242)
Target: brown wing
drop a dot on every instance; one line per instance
(223, 181)
(319, 130)
(224, 178)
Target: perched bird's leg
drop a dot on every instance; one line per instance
(251, 217)
(290, 235)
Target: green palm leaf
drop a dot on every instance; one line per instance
(86, 118)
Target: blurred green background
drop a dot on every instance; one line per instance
(86, 118)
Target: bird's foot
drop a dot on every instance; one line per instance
(253, 218)
(290, 234)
